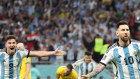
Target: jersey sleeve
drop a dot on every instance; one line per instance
(24, 52)
(76, 64)
(107, 57)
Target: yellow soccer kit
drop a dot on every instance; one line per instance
(23, 68)
(60, 73)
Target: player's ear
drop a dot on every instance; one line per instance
(6, 43)
(117, 33)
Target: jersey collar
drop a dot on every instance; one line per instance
(119, 44)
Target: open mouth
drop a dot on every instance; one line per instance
(12, 48)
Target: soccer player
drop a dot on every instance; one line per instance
(66, 72)
(11, 57)
(125, 52)
(25, 70)
(85, 65)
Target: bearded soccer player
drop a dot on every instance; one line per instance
(125, 52)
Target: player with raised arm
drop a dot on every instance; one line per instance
(11, 57)
(85, 65)
(125, 52)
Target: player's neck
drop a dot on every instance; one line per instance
(123, 44)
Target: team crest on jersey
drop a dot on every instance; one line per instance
(135, 52)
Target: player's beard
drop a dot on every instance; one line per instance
(125, 39)
(12, 50)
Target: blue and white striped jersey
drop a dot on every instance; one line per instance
(10, 64)
(83, 67)
(126, 59)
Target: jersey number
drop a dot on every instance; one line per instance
(130, 60)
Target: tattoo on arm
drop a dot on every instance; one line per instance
(97, 70)
(94, 73)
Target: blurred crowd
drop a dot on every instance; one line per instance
(71, 24)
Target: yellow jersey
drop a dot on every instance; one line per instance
(23, 68)
(60, 73)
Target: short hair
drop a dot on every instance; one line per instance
(10, 37)
(69, 66)
(122, 22)
(88, 53)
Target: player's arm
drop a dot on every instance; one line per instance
(46, 53)
(28, 68)
(96, 71)
(76, 64)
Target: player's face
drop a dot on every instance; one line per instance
(123, 33)
(87, 58)
(67, 71)
(11, 46)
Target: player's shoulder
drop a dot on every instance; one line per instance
(20, 49)
(73, 71)
(3, 50)
(113, 46)
(133, 41)
(61, 69)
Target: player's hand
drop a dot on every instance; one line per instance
(85, 77)
(59, 52)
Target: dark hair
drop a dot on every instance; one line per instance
(88, 53)
(69, 66)
(122, 22)
(10, 37)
